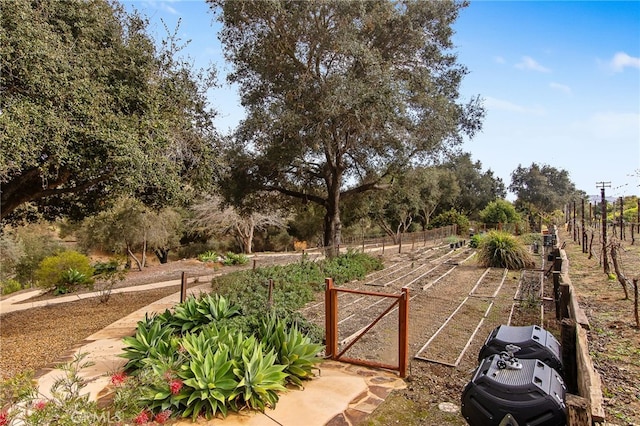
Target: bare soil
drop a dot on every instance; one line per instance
(34, 338)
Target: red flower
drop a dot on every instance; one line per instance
(118, 378)
(143, 418)
(162, 417)
(39, 405)
(175, 386)
(4, 418)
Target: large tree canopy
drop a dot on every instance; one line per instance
(542, 188)
(339, 92)
(90, 107)
(477, 188)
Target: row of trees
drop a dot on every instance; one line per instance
(353, 116)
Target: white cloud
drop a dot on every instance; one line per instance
(528, 63)
(162, 5)
(613, 127)
(561, 87)
(499, 59)
(503, 105)
(621, 60)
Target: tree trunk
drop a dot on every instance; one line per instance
(624, 282)
(332, 223)
(133, 256)
(249, 245)
(144, 253)
(162, 254)
(332, 230)
(635, 302)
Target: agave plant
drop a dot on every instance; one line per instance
(209, 382)
(216, 308)
(186, 316)
(195, 313)
(293, 349)
(151, 340)
(260, 378)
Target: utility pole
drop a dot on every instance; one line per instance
(584, 232)
(622, 236)
(605, 260)
(575, 230)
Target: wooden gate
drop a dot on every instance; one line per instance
(401, 301)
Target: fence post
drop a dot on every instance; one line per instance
(329, 319)
(183, 287)
(270, 297)
(403, 340)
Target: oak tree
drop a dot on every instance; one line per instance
(90, 108)
(542, 188)
(477, 187)
(341, 94)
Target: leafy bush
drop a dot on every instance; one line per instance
(65, 272)
(35, 243)
(293, 348)
(210, 369)
(68, 404)
(499, 211)
(476, 240)
(503, 250)
(209, 256)
(217, 353)
(451, 217)
(194, 313)
(70, 279)
(531, 238)
(106, 268)
(235, 259)
(9, 286)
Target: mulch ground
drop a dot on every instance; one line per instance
(35, 338)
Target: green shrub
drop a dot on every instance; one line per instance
(451, 217)
(209, 256)
(499, 211)
(502, 250)
(36, 243)
(531, 238)
(293, 349)
(66, 403)
(65, 272)
(235, 259)
(10, 286)
(213, 369)
(195, 313)
(107, 268)
(476, 240)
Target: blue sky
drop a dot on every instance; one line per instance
(560, 82)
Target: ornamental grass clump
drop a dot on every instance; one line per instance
(502, 250)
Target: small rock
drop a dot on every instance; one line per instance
(448, 407)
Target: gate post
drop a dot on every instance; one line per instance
(330, 320)
(403, 339)
(183, 287)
